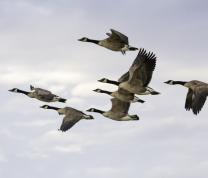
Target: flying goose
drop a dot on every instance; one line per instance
(72, 116)
(137, 79)
(115, 42)
(40, 94)
(196, 96)
(121, 94)
(118, 111)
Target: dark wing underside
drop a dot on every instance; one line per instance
(124, 77)
(188, 103)
(199, 97)
(68, 122)
(119, 106)
(140, 73)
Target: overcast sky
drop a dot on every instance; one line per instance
(38, 46)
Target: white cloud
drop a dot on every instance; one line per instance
(35, 123)
(21, 75)
(85, 89)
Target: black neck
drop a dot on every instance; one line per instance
(93, 41)
(106, 92)
(113, 82)
(54, 108)
(22, 91)
(98, 111)
(179, 83)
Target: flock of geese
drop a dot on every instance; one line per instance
(134, 82)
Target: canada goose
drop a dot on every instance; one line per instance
(115, 42)
(138, 77)
(40, 94)
(72, 116)
(121, 94)
(118, 111)
(196, 96)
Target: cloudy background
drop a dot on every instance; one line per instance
(38, 45)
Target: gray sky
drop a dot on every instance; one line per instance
(38, 42)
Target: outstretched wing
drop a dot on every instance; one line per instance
(68, 122)
(140, 73)
(118, 36)
(188, 104)
(124, 77)
(119, 106)
(199, 98)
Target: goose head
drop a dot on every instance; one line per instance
(170, 82)
(14, 90)
(103, 80)
(44, 106)
(91, 110)
(97, 90)
(84, 39)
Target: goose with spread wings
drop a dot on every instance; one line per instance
(137, 79)
(196, 96)
(72, 116)
(116, 41)
(118, 111)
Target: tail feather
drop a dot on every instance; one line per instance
(140, 101)
(155, 93)
(62, 100)
(133, 48)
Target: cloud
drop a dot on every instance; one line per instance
(39, 46)
(20, 76)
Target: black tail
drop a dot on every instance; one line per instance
(132, 49)
(140, 101)
(62, 100)
(155, 93)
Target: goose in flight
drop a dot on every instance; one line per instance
(118, 111)
(137, 79)
(196, 96)
(40, 94)
(116, 41)
(72, 116)
(121, 94)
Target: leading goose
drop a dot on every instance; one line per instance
(118, 111)
(196, 96)
(137, 79)
(115, 42)
(72, 116)
(40, 94)
(121, 94)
